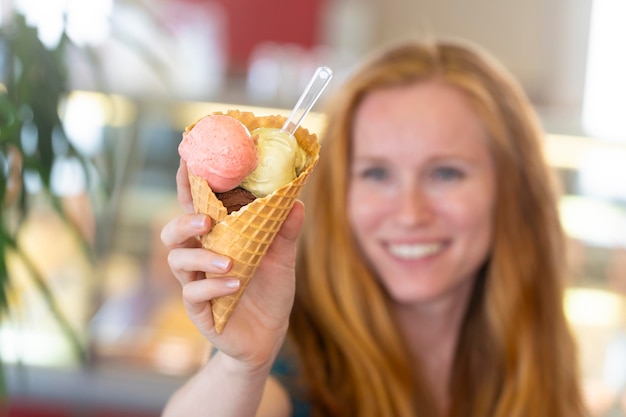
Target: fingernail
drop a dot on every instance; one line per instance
(198, 222)
(221, 263)
(232, 283)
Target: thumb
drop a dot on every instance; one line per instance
(293, 223)
(285, 240)
(283, 248)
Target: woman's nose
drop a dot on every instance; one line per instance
(414, 207)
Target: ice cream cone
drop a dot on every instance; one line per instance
(246, 234)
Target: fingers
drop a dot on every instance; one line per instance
(198, 294)
(201, 291)
(183, 188)
(182, 231)
(190, 264)
(186, 256)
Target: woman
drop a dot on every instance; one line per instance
(430, 267)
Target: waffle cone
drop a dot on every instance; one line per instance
(246, 234)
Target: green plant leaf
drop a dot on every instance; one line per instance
(36, 81)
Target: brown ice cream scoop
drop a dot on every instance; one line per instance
(235, 199)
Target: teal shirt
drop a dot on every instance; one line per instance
(286, 370)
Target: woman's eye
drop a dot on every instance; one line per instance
(447, 173)
(375, 173)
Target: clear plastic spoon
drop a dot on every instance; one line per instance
(309, 96)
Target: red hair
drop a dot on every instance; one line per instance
(515, 355)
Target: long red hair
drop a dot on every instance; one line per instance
(515, 355)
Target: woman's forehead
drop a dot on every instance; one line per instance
(428, 112)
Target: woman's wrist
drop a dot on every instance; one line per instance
(237, 367)
(259, 362)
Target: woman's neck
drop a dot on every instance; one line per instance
(431, 330)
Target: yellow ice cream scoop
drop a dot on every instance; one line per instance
(280, 158)
(280, 161)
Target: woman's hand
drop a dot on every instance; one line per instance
(259, 323)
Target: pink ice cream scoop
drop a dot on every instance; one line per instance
(220, 149)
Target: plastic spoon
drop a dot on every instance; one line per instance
(309, 96)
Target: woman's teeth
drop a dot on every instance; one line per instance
(414, 251)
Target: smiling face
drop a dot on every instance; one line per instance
(422, 190)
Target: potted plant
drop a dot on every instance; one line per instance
(33, 82)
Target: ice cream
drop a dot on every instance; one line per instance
(220, 149)
(280, 161)
(235, 199)
(244, 234)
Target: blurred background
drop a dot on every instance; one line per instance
(92, 322)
